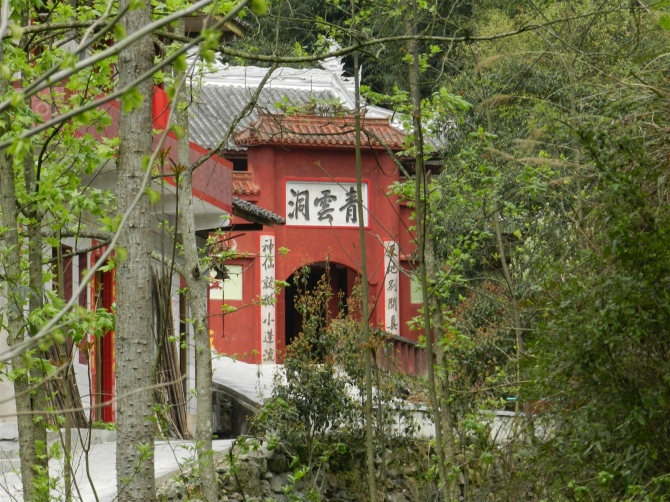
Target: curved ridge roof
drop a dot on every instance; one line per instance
(310, 130)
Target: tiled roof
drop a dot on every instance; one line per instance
(252, 212)
(216, 106)
(227, 90)
(243, 184)
(318, 131)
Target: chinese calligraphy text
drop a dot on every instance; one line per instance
(267, 298)
(323, 204)
(391, 281)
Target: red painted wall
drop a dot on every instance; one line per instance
(103, 365)
(272, 166)
(237, 334)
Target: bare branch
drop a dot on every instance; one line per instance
(79, 252)
(103, 403)
(359, 45)
(248, 108)
(117, 94)
(130, 39)
(46, 27)
(169, 262)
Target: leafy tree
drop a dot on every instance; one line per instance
(602, 368)
(311, 27)
(45, 164)
(365, 291)
(317, 409)
(521, 203)
(547, 223)
(42, 199)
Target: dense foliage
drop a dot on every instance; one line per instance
(603, 344)
(562, 160)
(316, 409)
(548, 218)
(549, 223)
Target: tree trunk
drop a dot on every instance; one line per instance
(516, 314)
(197, 300)
(369, 431)
(196, 284)
(420, 197)
(10, 275)
(36, 302)
(442, 381)
(63, 357)
(134, 341)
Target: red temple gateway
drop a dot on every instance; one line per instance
(302, 167)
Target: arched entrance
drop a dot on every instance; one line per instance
(341, 279)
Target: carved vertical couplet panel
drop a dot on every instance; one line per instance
(391, 283)
(268, 303)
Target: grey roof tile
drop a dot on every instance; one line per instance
(215, 107)
(257, 214)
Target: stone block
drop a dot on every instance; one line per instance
(278, 482)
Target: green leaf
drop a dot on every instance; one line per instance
(208, 55)
(121, 254)
(5, 72)
(119, 31)
(16, 99)
(259, 7)
(171, 91)
(84, 118)
(131, 100)
(111, 224)
(69, 60)
(110, 265)
(19, 148)
(664, 21)
(58, 337)
(180, 63)
(145, 162)
(210, 39)
(178, 131)
(16, 32)
(153, 195)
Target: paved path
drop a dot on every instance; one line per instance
(249, 382)
(169, 456)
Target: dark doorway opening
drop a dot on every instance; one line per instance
(341, 283)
